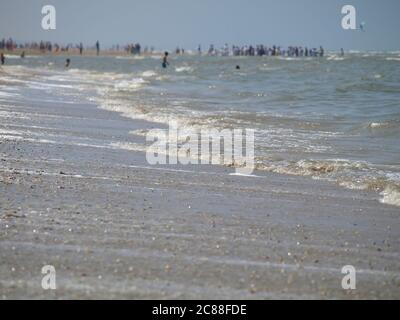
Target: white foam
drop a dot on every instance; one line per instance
(10, 137)
(335, 58)
(123, 57)
(390, 196)
(128, 146)
(184, 69)
(375, 125)
(244, 175)
(149, 73)
(132, 84)
(392, 59)
(7, 56)
(8, 94)
(10, 132)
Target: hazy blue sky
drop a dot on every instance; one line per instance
(168, 23)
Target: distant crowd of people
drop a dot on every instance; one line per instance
(262, 50)
(49, 47)
(136, 49)
(8, 44)
(43, 46)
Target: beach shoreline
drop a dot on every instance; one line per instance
(74, 52)
(114, 226)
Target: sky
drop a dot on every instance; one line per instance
(187, 23)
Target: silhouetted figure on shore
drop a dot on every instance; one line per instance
(80, 48)
(165, 62)
(321, 51)
(2, 58)
(67, 63)
(98, 47)
(23, 54)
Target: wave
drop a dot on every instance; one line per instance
(309, 167)
(382, 125)
(335, 58)
(8, 94)
(133, 84)
(149, 73)
(129, 57)
(391, 195)
(290, 138)
(7, 56)
(392, 59)
(369, 87)
(288, 58)
(355, 175)
(184, 69)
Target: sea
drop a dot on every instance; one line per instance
(334, 118)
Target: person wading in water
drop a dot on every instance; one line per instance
(165, 62)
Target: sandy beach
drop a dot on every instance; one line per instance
(114, 226)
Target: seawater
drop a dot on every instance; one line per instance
(334, 118)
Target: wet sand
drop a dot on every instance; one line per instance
(115, 227)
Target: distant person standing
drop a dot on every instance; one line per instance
(165, 62)
(341, 52)
(98, 47)
(80, 48)
(23, 54)
(67, 63)
(2, 58)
